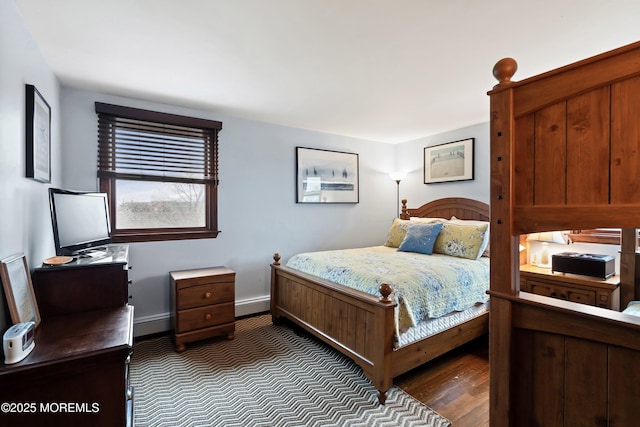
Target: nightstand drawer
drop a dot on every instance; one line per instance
(205, 317)
(202, 295)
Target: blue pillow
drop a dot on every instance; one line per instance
(420, 238)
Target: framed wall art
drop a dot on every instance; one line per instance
(452, 161)
(38, 131)
(324, 176)
(18, 289)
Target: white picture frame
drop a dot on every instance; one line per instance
(325, 176)
(18, 289)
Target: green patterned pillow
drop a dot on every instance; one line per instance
(455, 220)
(397, 232)
(462, 241)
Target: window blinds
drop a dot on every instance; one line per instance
(146, 145)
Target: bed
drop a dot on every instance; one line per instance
(363, 326)
(564, 156)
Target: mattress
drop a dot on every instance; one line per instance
(431, 327)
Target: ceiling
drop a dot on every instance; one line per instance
(381, 70)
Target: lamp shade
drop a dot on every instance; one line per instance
(548, 237)
(398, 175)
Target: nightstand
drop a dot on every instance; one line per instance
(571, 287)
(202, 304)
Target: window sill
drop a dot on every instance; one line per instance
(138, 236)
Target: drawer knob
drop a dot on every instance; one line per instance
(207, 316)
(207, 295)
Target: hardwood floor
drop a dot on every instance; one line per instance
(456, 385)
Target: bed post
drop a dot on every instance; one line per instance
(275, 316)
(504, 246)
(382, 372)
(404, 214)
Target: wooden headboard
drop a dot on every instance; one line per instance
(459, 207)
(565, 154)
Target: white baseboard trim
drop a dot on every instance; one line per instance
(253, 305)
(159, 323)
(149, 325)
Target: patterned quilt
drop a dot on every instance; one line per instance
(425, 286)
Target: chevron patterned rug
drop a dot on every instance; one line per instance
(267, 376)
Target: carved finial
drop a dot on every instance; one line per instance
(276, 259)
(385, 290)
(405, 213)
(504, 70)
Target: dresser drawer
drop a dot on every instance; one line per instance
(203, 295)
(205, 317)
(604, 299)
(571, 287)
(540, 288)
(582, 296)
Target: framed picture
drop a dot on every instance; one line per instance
(324, 176)
(38, 131)
(452, 161)
(18, 290)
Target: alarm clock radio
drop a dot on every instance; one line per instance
(18, 342)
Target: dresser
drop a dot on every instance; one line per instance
(78, 372)
(202, 304)
(571, 287)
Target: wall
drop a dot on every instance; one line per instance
(258, 214)
(25, 224)
(410, 158)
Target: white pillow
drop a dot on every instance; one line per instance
(424, 220)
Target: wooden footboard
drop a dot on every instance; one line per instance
(357, 324)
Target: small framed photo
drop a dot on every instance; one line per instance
(324, 176)
(18, 290)
(452, 161)
(38, 131)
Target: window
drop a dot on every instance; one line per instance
(160, 172)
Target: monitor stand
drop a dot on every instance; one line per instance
(93, 253)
